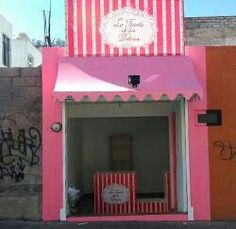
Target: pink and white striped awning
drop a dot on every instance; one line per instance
(105, 78)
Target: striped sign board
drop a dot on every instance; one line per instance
(114, 193)
(124, 27)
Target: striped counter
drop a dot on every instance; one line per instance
(114, 193)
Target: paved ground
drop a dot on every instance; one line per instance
(117, 225)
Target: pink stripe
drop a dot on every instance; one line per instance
(160, 29)
(133, 190)
(168, 190)
(70, 27)
(129, 185)
(98, 35)
(88, 8)
(155, 207)
(100, 193)
(122, 183)
(141, 7)
(109, 182)
(177, 27)
(79, 27)
(114, 206)
(115, 7)
(104, 179)
(150, 12)
(125, 183)
(125, 50)
(119, 182)
(106, 11)
(133, 50)
(168, 27)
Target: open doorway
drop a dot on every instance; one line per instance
(105, 138)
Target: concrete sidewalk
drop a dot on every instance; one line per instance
(117, 225)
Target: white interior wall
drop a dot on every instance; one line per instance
(150, 149)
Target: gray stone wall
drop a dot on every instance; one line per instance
(20, 143)
(209, 31)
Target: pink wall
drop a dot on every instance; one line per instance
(198, 142)
(52, 142)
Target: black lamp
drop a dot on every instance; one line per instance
(134, 80)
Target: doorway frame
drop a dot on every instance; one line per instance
(186, 169)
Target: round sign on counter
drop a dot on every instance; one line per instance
(115, 194)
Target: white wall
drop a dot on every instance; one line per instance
(150, 149)
(21, 48)
(6, 29)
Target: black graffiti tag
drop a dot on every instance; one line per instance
(226, 150)
(16, 153)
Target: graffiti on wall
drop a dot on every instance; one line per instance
(18, 150)
(225, 149)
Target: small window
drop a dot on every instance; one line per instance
(5, 50)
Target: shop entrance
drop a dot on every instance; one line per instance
(132, 146)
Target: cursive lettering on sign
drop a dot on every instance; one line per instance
(128, 27)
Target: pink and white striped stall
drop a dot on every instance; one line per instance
(115, 193)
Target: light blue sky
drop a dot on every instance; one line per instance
(26, 15)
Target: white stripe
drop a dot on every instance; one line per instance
(93, 29)
(133, 185)
(142, 206)
(66, 28)
(124, 181)
(155, 207)
(110, 9)
(155, 16)
(146, 10)
(173, 27)
(75, 27)
(128, 3)
(101, 16)
(119, 7)
(137, 7)
(129, 207)
(164, 27)
(181, 27)
(84, 27)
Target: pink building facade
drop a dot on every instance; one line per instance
(120, 110)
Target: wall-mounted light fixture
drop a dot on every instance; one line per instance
(56, 126)
(134, 80)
